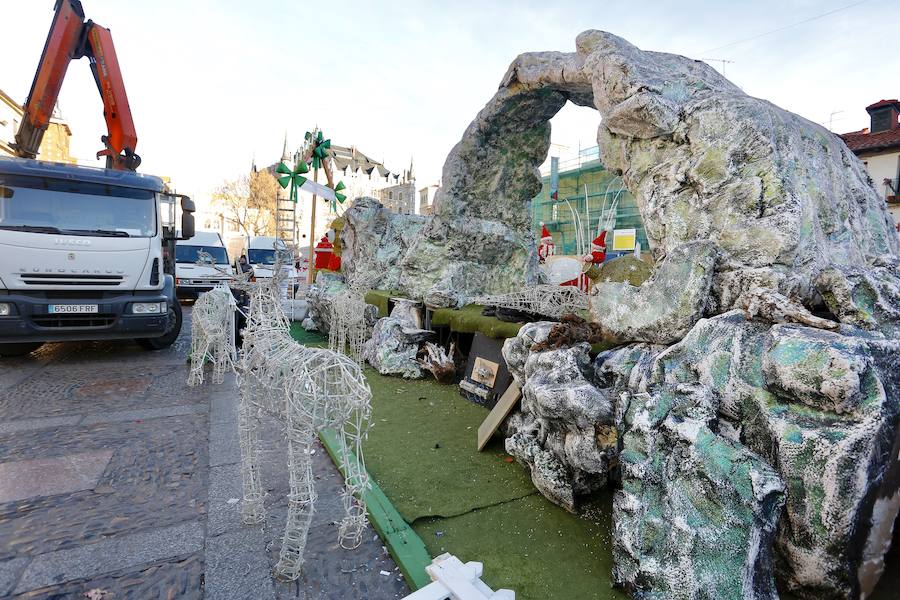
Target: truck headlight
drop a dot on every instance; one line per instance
(5, 309)
(145, 308)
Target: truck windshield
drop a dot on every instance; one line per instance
(188, 254)
(261, 257)
(43, 205)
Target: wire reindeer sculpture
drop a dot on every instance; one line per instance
(348, 331)
(212, 334)
(307, 390)
(212, 330)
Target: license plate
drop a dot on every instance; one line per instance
(72, 308)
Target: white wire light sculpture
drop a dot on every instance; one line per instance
(547, 300)
(348, 331)
(212, 334)
(308, 390)
(305, 389)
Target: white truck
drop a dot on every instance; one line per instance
(261, 256)
(83, 256)
(193, 278)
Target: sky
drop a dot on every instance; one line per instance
(214, 84)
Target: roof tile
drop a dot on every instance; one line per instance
(861, 141)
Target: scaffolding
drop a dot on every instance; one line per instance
(590, 198)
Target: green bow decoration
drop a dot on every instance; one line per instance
(320, 152)
(293, 178)
(337, 192)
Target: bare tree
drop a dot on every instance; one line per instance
(249, 203)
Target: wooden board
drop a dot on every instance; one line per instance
(504, 406)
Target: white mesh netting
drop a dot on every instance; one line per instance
(548, 300)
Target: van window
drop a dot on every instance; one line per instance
(261, 257)
(188, 254)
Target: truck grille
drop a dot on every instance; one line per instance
(60, 279)
(64, 321)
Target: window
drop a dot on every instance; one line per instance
(190, 253)
(75, 208)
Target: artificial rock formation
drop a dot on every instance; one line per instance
(396, 341)
(696, 514)
(782, 201)
(817, 408)
(776, 288)
(754, 404)
(374, 240)
(563, 431)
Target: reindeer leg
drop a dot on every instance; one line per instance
(252, 510)
(356, 482)
(199, 348)
(301, 498)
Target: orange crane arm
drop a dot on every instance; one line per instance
(71, 38)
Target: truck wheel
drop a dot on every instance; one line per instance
(171, 334)
(19, 349)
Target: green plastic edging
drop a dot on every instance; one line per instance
(405, 546)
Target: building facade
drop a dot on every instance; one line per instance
(401, 197)
(427, 196)
(55, 143)
(878, 146)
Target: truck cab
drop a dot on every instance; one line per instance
(192, 277)
(261, 256)
(82, 256)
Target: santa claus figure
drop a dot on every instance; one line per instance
(546, 248)
(598, 250)
(324, 252)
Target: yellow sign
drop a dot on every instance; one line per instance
(624, 239)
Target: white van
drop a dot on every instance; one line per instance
(190, 278)
(261, 256)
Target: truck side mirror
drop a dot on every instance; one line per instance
(187, 225)
(187, 218)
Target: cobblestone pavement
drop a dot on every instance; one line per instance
(118, 481)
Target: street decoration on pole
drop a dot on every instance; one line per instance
(315, 152)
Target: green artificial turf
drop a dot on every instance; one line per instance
(533, 547)
(469, 319)
(380, 299)
(421, 449)
(477, 505)
(308, 338)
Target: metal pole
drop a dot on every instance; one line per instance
(312, 233)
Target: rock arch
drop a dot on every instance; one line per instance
(480, 239)
(756, 206)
